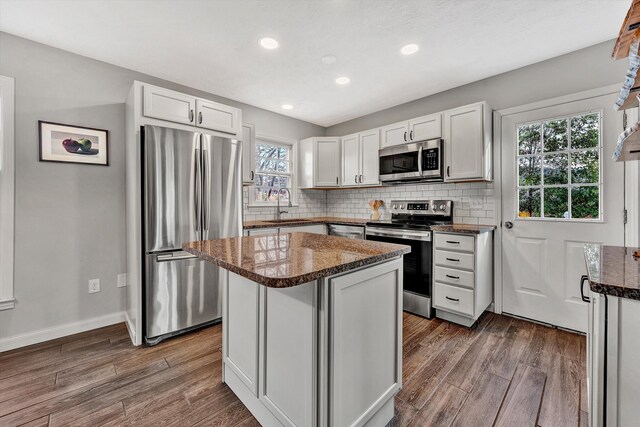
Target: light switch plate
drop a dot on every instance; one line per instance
(122, 280)
(94, 286)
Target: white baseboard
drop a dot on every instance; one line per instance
(43, 335)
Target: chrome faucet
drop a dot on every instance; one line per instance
(278, 211)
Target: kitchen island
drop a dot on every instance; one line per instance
(312, 326)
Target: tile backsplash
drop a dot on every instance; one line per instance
(473, 203)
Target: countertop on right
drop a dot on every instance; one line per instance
(463, 228)
(613, 270)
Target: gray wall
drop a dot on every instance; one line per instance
(70, 219)
(574, 72)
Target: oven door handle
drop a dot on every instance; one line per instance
(420, 161)
(405, 234)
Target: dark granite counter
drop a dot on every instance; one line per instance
(248, 225)
(613, 270)
(463, 228)
(291, 259)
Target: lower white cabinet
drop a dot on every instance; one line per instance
(613, 371)
(462, 275)
(316, 229)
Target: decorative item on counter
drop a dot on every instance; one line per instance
(636, 254)
(375, 205)
(73, 144)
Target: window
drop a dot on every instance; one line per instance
(6, 191)
(559, 168)
(274, 171)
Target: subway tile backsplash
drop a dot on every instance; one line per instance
(473, 203)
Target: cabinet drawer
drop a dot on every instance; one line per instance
(451, 298)
(455, 277)
(455, 242)
(455, 259)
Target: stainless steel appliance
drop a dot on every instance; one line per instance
(410, 224)
(192, 189)
(420, 161)
(348, 231)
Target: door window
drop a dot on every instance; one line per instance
(559, 162)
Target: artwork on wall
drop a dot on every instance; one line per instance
(73, 144)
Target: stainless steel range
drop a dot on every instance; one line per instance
(410, 224)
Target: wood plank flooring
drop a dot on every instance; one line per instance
(503, 372)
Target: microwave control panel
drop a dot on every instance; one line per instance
(430, 159)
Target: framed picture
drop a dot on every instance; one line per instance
(73, 144)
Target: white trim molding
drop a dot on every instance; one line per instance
(43, 335)
(7, 190)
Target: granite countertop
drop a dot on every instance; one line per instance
(463, 228)
(291, 259)
(613, 270)
(293, 222)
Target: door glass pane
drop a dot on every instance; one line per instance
(556, 169)
(529, 203)
(555, 135)
(529, 141)
(585, 202)
(585, 167)
(556, 202)
(585, 132)
(529, 170)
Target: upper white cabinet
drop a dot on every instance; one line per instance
(418, 129)
(165, 104)
(216, 116)
(360, 162)
(248, 153)
(320, 162)
(467, 143)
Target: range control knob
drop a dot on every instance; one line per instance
(395, 206)
(443, 207)
(401, 206)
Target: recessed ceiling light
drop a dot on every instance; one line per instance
(287, 106)
(328, 59)
(343, 80)
(268, 43)
(410, 49)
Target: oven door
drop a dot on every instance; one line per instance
(417, 263)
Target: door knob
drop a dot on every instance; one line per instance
(508, 225)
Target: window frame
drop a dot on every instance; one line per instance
(293, 160)
(569, 185)
(7, 191)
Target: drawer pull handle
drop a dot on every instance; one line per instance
(453, 259)
(452, 242)
(453, 277)
(453, 299)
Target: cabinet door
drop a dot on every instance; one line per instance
(426, 127)
(369, 159)
(395, 134)
(327, 162)
(315, 229)
(350, 160)
(165, 104)
(215, 116)
(464, 143)
(248, 153)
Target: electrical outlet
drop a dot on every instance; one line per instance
(94, 286)
(122, 280)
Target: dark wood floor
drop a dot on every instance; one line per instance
(504, 372)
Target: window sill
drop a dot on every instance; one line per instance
(7, 304)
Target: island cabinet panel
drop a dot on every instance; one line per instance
(365, 337)
(240, 349)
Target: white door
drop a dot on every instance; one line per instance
(328, 165)
(350, 159)
(560, 189)
(395, 134)
(425, 127)
(220, 117)
(369, 160)
(165, 104)
(248, 153)
(464, 142)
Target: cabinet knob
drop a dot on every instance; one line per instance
(356, 179)
(251, 174)
(200, 118)
(405, 136)
(360, 179)
(411, 135)
(190, 115)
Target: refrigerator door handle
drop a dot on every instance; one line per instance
(206, 173)
(197, 183)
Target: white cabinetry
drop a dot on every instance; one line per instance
(169, 105)
(360, 162)
(463, 276)
(248, 153)
(315, 229)
(613, 372)
(320, 162)
(418, 129)
(467, 143)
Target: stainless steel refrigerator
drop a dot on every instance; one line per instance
(192, 190)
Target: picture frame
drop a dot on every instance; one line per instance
(63, 143)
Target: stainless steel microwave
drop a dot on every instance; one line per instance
(420, 161)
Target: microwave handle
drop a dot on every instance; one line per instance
(420, 160)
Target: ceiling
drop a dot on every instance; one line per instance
(213, 45)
